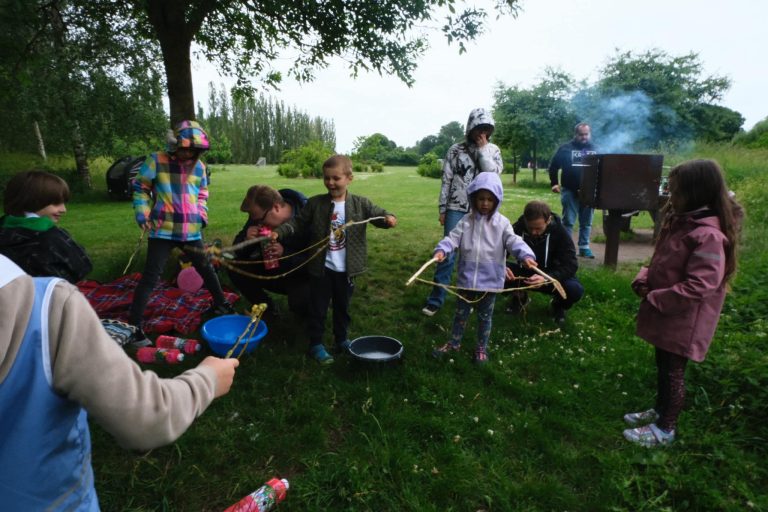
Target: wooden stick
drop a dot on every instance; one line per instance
(555, 282)
(418, 272)
(135, 251)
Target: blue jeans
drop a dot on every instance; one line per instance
(572, 209)
(445, 268)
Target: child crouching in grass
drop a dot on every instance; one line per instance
(683, 289)
(333, 272)
(483, 238)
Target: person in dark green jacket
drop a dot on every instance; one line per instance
(333, 271)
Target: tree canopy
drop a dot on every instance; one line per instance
(245, 38)
(638, 102)
(448, 135)
(680, 97)
(379, 148)
(69, 89)
(532, 121)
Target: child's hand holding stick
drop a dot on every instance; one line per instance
(435, 259)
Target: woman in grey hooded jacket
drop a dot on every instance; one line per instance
(463, 162)
(482, 238)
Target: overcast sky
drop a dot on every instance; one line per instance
(576, 36)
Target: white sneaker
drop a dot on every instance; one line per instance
(649, 436)
(430, 309)
(633, 419)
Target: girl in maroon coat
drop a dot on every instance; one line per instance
(683, 289)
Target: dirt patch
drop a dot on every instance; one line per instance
(638, 249)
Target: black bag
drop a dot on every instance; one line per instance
(121, 174)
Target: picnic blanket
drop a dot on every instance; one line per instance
(169, 308)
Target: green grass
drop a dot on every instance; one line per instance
(538, 428)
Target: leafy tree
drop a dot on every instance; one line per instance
(677, 99)
(448, 135)
(715, 123)
(533, 121)
(376, 148)
(426, 145)
(261, 127)
(83, 92)
(244, 37)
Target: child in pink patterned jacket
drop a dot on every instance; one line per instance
(683, 289)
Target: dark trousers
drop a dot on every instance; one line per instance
(295, 286)
(483, 303)
(574, 290)
(158, 251)
(670, 396)
(334, 287)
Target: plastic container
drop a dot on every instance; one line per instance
(269, 264)
(159, 355)
(221, 333)
(262, 499)
(188, 346)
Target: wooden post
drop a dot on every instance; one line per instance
(612, 227)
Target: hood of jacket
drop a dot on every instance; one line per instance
(477, 117)
(188, 134)
(489, 181)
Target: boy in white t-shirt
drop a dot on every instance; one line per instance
(332, 273)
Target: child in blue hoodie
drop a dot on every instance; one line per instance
(483, 239)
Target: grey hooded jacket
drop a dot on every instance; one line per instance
(464, 161)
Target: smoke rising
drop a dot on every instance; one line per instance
(626, 122)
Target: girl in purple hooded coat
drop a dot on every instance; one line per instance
(683, 289)
(483, 238)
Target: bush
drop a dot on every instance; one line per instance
(430, 166)
(306, 161)
(367, 166)
(220, 152)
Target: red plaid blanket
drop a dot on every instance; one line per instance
(169, 308)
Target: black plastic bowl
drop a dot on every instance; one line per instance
(376, 349)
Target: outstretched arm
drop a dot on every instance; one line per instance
(139, 408)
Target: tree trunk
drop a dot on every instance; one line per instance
(178, 71)
(535, 161)
(40, 142)
(81, 159)
(514, 167)
(175, 23)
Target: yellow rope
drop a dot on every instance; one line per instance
(450, 288)
(216, 252)
(254, 262)
(257, 310)
(230, 266)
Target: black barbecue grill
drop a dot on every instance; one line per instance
(620, 184)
